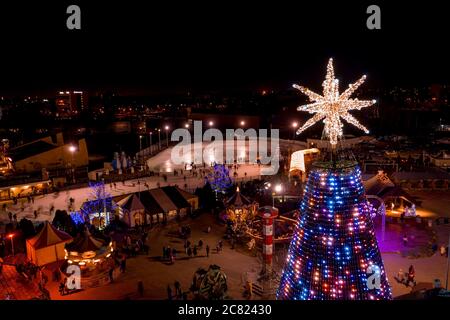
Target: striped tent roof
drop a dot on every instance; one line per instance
(177, 198)
(163, 199)
(186, 195)
(157, 200)
(132, 203)
(48, 236)
(151, 205)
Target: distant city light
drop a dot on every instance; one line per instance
(72, 149)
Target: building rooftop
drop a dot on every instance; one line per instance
(30, 149)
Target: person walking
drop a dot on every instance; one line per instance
(442, 250)
(169, 292)
(207, 251)
(401, 276)
(195, 251)
(177, 286)
(140, 288)
(411, 276)
(111, 274)
(123, 264)
(405, 240)
(189, 252)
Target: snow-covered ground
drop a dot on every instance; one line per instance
(160, 162)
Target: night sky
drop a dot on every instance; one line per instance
(204, 45)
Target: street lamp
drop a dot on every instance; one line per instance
(11, 236)
(242, 123)
(294, 125)
(448, 263)
(140, 143)
(278, 188)
(150, 151)
(159, 139)
(211, 123)
(72, 150)
(167, 135)
(186, 125)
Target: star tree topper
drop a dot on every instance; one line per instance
(331, 106)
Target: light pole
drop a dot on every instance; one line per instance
(72, 150)
(448, 263)
(159, 139)
(167, 135)
(151, 142)
(278, 188)
(294, 125)
(140, 143)
(11, 236)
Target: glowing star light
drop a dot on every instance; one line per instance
(332, 106)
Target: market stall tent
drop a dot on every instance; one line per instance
(47, 246)
(132, 211)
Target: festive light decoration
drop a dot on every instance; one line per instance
(219, 179)
(334, 253)
(100, 206)
(331, 106)
(77, 218)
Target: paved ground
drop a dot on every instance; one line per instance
(156, 274)
(15, 286)
(396, 256)
(237, 264)
(434, 202)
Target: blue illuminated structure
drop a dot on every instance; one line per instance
(334, 253)
(219, 179)
(100, 207)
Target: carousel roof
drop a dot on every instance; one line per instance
(48, 236)
(238, 200)
(85, 242)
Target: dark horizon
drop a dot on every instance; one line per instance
(169, 47)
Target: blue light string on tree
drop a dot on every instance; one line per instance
(334, 245)
(101, 200)
(219, 179)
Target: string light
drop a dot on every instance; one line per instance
(331, 106)
(334, 242)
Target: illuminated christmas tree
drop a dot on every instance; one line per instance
(219, 179)
(334, 253)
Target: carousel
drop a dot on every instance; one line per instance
(283, 228)
(89, 253)
(239, 209)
